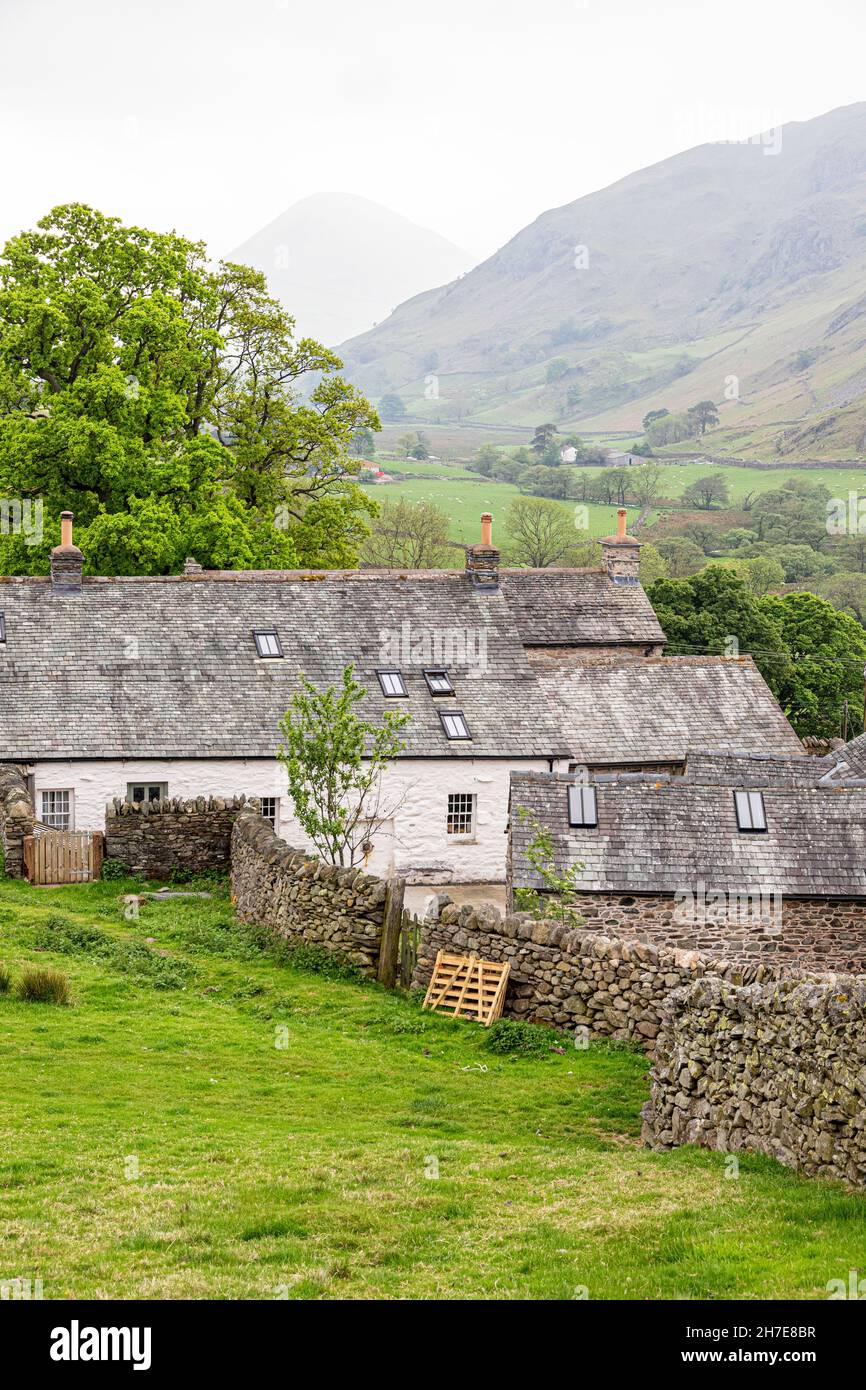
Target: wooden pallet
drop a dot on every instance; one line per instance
(467, 987)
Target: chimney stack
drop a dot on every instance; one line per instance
(620, 554)
(482, 561)
(67, 561)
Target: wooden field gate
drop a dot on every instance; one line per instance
(63, 856)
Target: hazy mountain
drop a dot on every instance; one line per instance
(341, 263)
(730, 267)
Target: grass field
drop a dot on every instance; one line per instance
(162, 1138)
(466, 497)
(463, 496)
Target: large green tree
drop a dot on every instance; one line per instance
(811, 655)
(828, 654)
(167, 403)
(714, 612)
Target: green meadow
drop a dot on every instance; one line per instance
(206, 1119)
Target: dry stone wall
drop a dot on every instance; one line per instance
(159, 838)
(777, 1068)
(573, 978)
(304, 899)
(17, 817)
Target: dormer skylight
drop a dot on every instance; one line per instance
(438, 681)
(268, 644)
(582, 807)
(392, 683)
(454, 723)
(751, 815)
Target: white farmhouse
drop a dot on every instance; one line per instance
(147, 688)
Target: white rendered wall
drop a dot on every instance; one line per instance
(415, 842)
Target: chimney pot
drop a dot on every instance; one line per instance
(620, 554)
(482, 561)
(67, 561)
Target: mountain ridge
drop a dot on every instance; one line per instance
(722, 261)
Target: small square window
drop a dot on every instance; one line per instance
(582, 807)
(267, 643)
(138, 792)
(454, 723)
(271, 810)
(750, 811)
(56, 809)
(392, 683)
(438, 682)
(461, 814)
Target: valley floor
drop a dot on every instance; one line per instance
(205, 1121)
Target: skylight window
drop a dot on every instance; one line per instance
(582, 807)
(392, 683)
(751, 814)
(267, 643)
(438, 682)
(454, 723)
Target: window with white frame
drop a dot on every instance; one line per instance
(454, 723)
(56, 809)
(138, 792)
(268, 643)
(392, 683)
(750, 811)
(271, 811)
(582, 807)
(461, 814)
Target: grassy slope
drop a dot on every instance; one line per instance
(465, 497)
(301, 1172)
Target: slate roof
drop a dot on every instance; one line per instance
(663, 835)
(848, 763)
(578, 607)
(620, 710)
(167, 667)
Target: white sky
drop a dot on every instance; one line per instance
(469, 116)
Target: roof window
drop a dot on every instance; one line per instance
(582, 806)
(751, 814)
(267, 643)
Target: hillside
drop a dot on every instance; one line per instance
(341, 263)
(729, 260)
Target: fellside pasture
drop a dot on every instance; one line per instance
(209, 1118)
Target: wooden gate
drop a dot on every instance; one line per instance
(63, 856)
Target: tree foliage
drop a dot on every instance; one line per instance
(334, 761)
(542, 533)
(811, 655)
(166, 402)
(409, 535)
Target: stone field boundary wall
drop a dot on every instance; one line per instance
(776, 1068)
(157, 838)
(572, 978)
(306, 900)
(17, 818)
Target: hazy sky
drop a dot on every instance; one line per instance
(469, 116)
